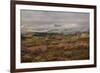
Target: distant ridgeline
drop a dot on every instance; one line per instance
(42, 34)
(45, 33)
(30, 34)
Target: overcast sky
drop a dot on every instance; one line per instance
(52, 21)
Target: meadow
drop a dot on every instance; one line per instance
(43, 47)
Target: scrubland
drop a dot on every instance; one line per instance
(55, 47)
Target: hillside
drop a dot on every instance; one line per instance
(40, 47)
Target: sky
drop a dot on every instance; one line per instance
(54, 21)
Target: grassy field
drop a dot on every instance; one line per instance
(54, 47)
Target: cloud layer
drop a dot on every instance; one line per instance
(50, 21)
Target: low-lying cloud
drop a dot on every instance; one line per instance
(50, 21)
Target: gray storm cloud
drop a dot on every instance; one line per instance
(52, 21)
